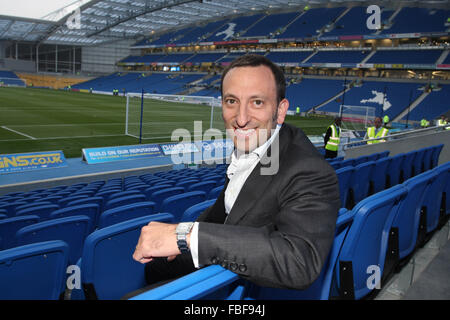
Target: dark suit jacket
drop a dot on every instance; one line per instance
(281, 227)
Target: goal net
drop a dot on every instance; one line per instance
(356, 118)
(156, 116)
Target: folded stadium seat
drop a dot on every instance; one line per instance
(33, 204)
(214, 177)
(176, 205)
(163, 181)
(383, 154)
(43, 211)
(345, 176)
(63, 202)
(9, 227)
(117, 202)
(109, 271)
(360, 160)
(88, 193)
(394, 169)
(192, 213)
(139, 187)
(336, 165)
(91, 210)
(378, 178)
(126, 212)
(186, 183)
(220, 182)
(94, 200)
(407, 220)
(435, 155)
(10, 207)
(159, 196)
(367, 245)
(3, 214)
(360, 183)
(106, 193)
(205, 186)
(72, 230)
(215, 192)
(407, 166)
(346, 163)
(34, 272)
(417, 166)
(150, 190)
(53, 199)
(427, 165)
(123, 194)
(432, 203)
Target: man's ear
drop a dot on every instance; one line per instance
(283, 107)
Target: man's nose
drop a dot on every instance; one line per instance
(242, 117)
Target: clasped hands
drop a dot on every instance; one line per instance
(157, 240)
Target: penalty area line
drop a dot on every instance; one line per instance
(18, 132)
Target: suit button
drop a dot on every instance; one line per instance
(214, 260)
(233, 266)
(242, 267)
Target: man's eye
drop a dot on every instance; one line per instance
(258, 102)
(230, 101)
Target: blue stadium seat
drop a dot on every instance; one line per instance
(9, 227)
(366, 244)
(360, 160)
(321, 288)
(205, 186)
(109, 271)
(64, 201)
(427, 164)
(126, 212)
(158, 196)
(345, 175)
(192, 213)
(3, 215)
(118, 202)
(33, 272)
(123, 194)
(346, 163)
(149, 191)
(184, 183)
(408, 215)
(407, 166)
(435, 155)
(360, 183)
(177, 204)
(418, 166)
(43, 211)
(394, 169)
(379, 175)
(90, 210)
(90, 200)
(72, 230)
(10, 207)
(32, 204)
(215, 192)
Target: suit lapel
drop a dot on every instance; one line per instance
(256, 183)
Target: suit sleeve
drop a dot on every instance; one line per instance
(290, 251)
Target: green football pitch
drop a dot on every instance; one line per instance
(45, 120)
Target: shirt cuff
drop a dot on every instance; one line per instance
(194, 244)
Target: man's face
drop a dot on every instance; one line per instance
(377, 122)
(249, 106)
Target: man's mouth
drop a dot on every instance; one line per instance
(243, 133)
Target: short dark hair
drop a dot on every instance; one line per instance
(256, 60)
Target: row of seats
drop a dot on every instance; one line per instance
(379, 234)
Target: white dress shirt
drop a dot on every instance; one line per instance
(240, 168)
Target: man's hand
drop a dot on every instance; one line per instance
(157, 240)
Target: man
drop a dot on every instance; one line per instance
(332, 138)
(273, 227)
(385, 120)
(424, 123)
(376, 131)
(441, 121)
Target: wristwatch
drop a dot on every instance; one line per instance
(182, 231)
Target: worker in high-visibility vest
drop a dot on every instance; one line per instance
(385, 120)
(332, 138)
(441, 121)
(424, 123)
(377, 131)
(297, 111)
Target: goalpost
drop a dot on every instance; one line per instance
(172, 111)
(356, 118)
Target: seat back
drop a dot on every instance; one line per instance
(360, 184)
(366, 243)
(33, 272)
(42, 211)
(345, 175)
(177, 204)
(192, 213)
(215, 192)
(408, 215)
(95, 200)
(9, 227)
(64, 201)
(90, 210)
(205, 186)
(418, 166)
(123, 194)
(435, 155)
(149, 191)
(126, 212)
(109, 271)
(394, 169)
(72, 230)
(427, 163)
(379, 175)
(118, 202)
(407, 166)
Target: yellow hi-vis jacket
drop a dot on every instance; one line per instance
(333, 141)
(381, 134)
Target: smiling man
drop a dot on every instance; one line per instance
(274, 228)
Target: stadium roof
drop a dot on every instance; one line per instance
(94, 22)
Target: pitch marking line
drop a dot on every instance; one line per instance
(18, 132)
